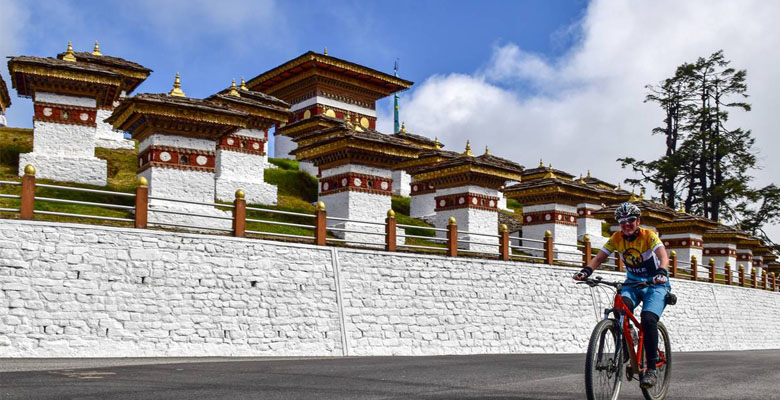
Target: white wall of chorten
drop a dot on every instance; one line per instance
(722, 253)
(243, 168)
(64, 140)
(758, 264)
(168, 178)
(560, 220)
(346, 193)
(106, 136)
(687, 245)
(475, 209)
(325, 101)
(421, 199)
(587, 224)
(401, 183)
(745, 258)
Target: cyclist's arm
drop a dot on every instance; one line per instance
(596, 262)
(663, 259)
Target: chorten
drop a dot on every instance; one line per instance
(467, 190)
(177, 139)
(401, 178)
(356, 175)
(721, 244)
(423, 192)
(653, 213)
(745, 249)
(241, 156)
(68, 96)
(684, 234)
(5, 102)
(318, 84)
(133, 75)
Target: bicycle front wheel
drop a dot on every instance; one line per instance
(664, 366)
(603, 365)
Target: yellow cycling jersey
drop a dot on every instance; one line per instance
(637, 254)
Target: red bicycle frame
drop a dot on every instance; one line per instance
(634, 349)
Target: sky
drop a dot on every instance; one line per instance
(557, 81)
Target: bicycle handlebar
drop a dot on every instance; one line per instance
(592, 282)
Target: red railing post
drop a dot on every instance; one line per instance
(320, 232)
(239, 214)
(390, 231)
(764, 279)
(452, 237)
(712, 270)
(26, 210)
(548, 247)
(673, 264)
(741, 275)
(729, 275)
(141, 203)
(503, 242)
(586, 255)
(774, 281)
(694, 268)
(753, 278)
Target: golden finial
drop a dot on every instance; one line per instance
(436, 142)
(589, 175)
(673, 253)
(348, 121)
(550, 173)
(693, 257)
(487, 151)
(633, 195)
(586, 238)
(741, 267)
(681, 210)
(69, 54)
(642, 193)
(96, 50)
(452, 221)
(390, 213)
(233, 91)
(243, 84)
(325, 52)
(142, 182)
(29, 170)
(468, 149)
(240, 194)
(581, 180)
(503, 228)
(619, 188)
(547, 233)
(541, 164)
(320, 206)
(403, 126)
(176, 91)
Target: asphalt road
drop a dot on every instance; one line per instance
(712, 375)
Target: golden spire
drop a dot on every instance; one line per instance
(487, 151)
(243, 84)
(233, 91)
(581, 179)
(96, 50)
(325, 52)
(436, 142)
(69, 54)
(633, 196)
(681, 210)
(550, 173)
(589, 175)
(642, 193)
(176, 91)
(468, 149)
(541, 164)
(619, 188)
(403, 127)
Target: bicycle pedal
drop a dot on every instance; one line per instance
(629, 372)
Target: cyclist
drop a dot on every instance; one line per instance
(645, 258)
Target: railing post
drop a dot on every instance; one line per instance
(503, 244)
(729, 275)
(27, 208)
(673, 264)
(390, 232)
(548, 247)
(452, 238)
(621, 266)
(320, 232)
(694, 268)
(764, 279)
(141, 203)
(753, 278)
(239, 214)
(741, 275)
(712, 270)
(586, 255)
(773, 280)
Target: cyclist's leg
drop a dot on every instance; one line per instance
(653, 304)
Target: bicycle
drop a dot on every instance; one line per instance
(614, 343)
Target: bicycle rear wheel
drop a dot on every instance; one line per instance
(604, 362)
(664, 370)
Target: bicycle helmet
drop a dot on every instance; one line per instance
(625, 211)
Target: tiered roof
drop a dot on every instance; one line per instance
(684, 222)
(265, 110)
(653, 213)
(546, 184)
(466, 169)
(134, 74)
(421, 141)
(724, 234)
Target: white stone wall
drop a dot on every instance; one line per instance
(54, 98)
(564, 236)
(90, 171)
(170, 183)
(333, 103)
(107, 137)
(237, 170)
(121, 292)
(401, 181)
(471, 220)
(358, 206)
(162, 139)
(422, 205)
(591, 227)
(702, 268)
(721, 260)
(358, 169)
(66, 140)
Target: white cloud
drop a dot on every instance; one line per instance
(585, 109)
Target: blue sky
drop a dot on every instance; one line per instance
(561, 81)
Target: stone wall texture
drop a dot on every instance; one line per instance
(70, 290)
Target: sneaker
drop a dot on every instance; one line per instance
(649, 379)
